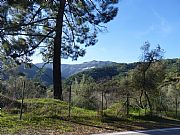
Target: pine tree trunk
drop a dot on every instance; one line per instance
(57, 52)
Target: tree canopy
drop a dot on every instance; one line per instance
(30, 24)
(56, 27)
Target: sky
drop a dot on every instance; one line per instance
(155, 21)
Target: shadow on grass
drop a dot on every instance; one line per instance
(85, 121)
(119, 124)
(141, 122)
(157, 119)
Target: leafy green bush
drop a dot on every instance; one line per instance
(87, 103)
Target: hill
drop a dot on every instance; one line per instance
(106, 72)
(71, 69)
(50, 116)
(95, 69)
(45, 75)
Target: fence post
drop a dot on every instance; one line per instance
(127, 104)
(102, 104)
(22, 100)
(69, 109)
(176, 107)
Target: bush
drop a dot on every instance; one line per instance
(87, 103)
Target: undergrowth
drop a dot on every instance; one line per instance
(51, 116)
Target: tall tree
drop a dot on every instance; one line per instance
(56, 27)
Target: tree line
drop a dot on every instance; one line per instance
(153, 86)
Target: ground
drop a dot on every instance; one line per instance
(50, 117)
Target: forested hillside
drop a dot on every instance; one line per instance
(52, 98)
(111, 95)
(106, 72)
(96, 69)
(121, 80)
(71, 69)
(120, 69)
(115, 80)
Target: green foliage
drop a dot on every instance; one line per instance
(44, 115)
(107, 72)
(88, 103)
(114, 110)
(148, 75)
(10, 124)
(130, 81)
(51, 116)
(29, 24)
(83, 93)
(59, 26)
(13, 88)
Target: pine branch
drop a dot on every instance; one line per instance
(37, 12)
(36, 46)
(72, 31)
(27, 24)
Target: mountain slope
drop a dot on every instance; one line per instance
(71, 69)
(106, 72)
(95, 69)
(45, 75)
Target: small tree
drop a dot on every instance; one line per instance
(146, 75)
(83, 93)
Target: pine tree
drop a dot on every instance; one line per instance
(58, 28)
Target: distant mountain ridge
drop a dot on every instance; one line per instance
(120, 70)
(71, 69)
(45, 75)
(95, 69)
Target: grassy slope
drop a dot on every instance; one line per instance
(49, 116)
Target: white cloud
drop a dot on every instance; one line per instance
(162, 26)
(159, 26)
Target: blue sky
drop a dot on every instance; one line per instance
(156, 21)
